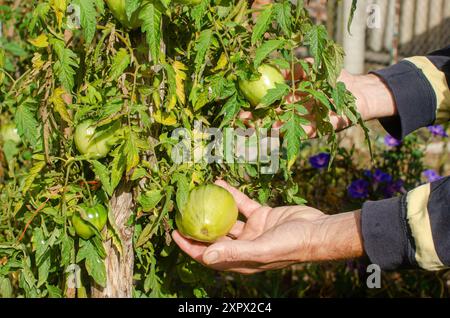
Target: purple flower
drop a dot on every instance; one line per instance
(379, 176)
(367, 173)
(359, 189)
(320, 161)
(391, 141)
(438, 131)
(393, 188)
(432, 175)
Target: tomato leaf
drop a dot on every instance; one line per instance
(151, 26)
(275, 94)
(88, 18)
(120, 63)
(265, 49)
(262, 24)
(201, 47)
(95, 265)
(102, 173)
(26, 123)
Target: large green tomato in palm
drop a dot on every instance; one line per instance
(93, 142)
(255, 90)
(210, 213)
(97, 215)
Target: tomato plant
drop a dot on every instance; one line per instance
(209, 213)
(255, 90)
(94, 216)
(98, 100)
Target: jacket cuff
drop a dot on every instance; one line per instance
(386, 238)
(414, 97)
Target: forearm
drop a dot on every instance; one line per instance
(337, 237)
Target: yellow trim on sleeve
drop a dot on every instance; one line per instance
(419, 222)
(440, 86)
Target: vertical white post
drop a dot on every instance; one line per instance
(376, 35)
(421, 21)
(446, 9)
(390, 24)
(407, 21)
(355, 44)
(436, 13)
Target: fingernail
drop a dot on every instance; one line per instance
(211, 258)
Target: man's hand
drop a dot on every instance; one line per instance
(273, 238)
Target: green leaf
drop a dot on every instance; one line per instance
(198, 13)
(284, 16)
(229, 110)
(262, 24)
(102, 172)
(65, 65)
(265, 49)
(352, 15)
(95, 265)
(321, 97)
(201, 47)
(275, 94)
(293, 133)
(182, 190)
(150, 199)
(118, 166)
(6, 289)
(131, 6)
(317, 38)
(131, 151)
(67, 250)
(151, 26)
(334, 61)
(88, 18)
(26, 123)
(120, 63)
(32, 174)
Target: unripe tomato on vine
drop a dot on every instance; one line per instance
(9, 132)
(118, 9)
(96, 216)
(255, 90)
(93, 142)
(209, 213)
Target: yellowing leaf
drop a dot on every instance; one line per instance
(32, 174)
(37, 61)
(40, 41)
(59, 104)
(180, 78)
(60, 7)
(221, 63)
(165, 119)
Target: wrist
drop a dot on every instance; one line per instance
(374, 100)
(337, 237)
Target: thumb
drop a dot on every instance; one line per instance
(231, 251)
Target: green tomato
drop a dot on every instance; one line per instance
(210, 213)
(118, 9)
(255, 90)
(92, 143)
(97, 215)
(9, 132)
